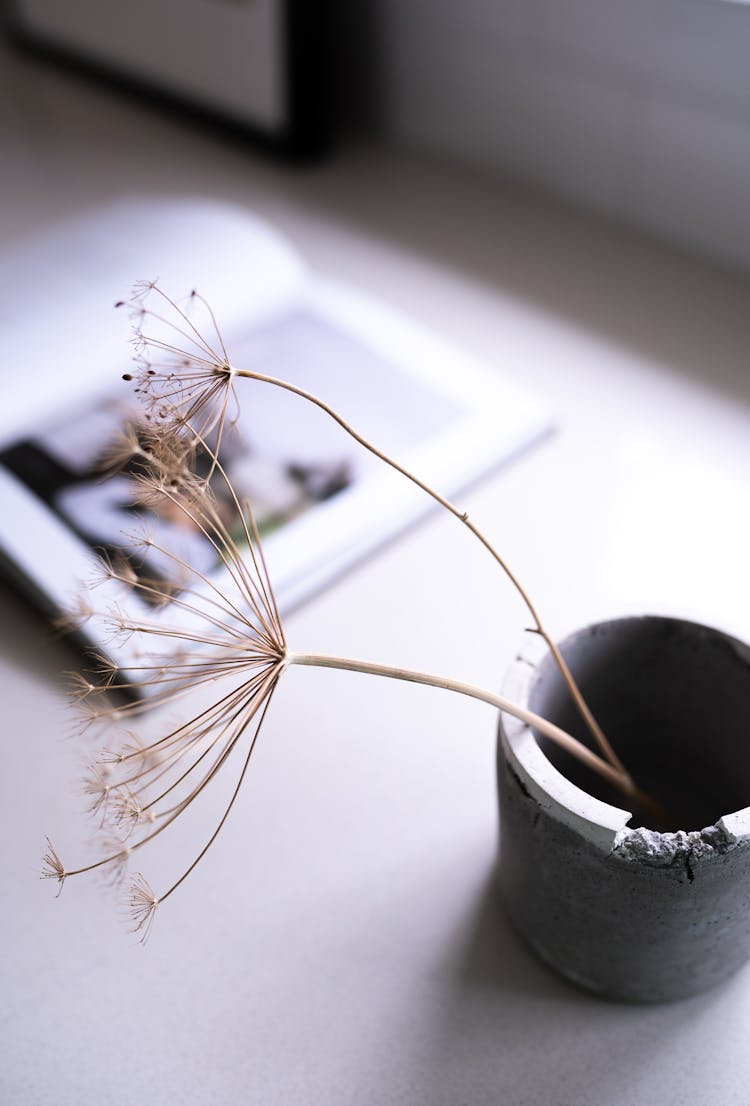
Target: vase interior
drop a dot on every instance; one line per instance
(673, 699)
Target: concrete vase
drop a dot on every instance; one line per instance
(610, 901)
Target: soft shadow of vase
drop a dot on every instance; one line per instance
(633, 913)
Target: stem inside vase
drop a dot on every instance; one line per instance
(677, 695)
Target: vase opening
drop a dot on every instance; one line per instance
(673, 699)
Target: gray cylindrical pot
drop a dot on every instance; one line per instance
(632, 913)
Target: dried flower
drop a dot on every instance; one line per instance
(97, 786)
(228, 638)
(53, 867)
(141, 903)
(186, 379)
(183, 378)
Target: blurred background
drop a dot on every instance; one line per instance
(561, 190)
(638, 111)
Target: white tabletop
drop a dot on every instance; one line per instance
(344, 942)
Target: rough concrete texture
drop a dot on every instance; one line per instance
(653, 916)
(651, 921)
(662, 849)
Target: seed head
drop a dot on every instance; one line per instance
(141, 903)
(53, 867)
(228, 638)
(183, 376)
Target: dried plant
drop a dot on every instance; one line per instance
(228, 639)
(186, 379)
(230, 636)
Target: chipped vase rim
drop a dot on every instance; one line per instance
(603, 824)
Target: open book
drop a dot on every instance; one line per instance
(321, 501)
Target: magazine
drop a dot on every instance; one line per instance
(320, 500)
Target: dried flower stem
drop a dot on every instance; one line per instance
(190, 382)
(463, 516)
(566, 741)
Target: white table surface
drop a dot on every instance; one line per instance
(344, 943)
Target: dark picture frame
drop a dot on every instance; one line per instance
(296, 60)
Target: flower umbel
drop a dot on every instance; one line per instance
(192, 388)
(142, 903)
(53, 867)
(183, 378)
(226, 636)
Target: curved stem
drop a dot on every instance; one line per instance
(583, 707)
(616, 776)
(596, 730)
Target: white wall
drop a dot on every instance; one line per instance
(637, 108)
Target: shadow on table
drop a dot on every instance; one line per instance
(507, 1029)
(28, 639)
(494, 955)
